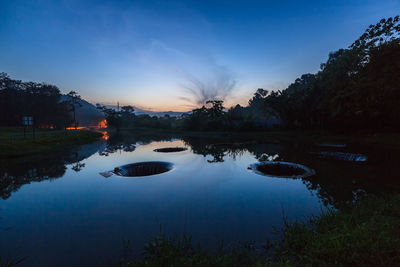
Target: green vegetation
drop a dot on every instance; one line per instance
(127, 119)
(39, 100)
(366, 234)
(357, 87)
(163, 251)
(363, 233)
(13, 143)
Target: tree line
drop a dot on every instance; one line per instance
(41, 101)
(356, 88)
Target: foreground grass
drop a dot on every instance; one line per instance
(10, 263)
(164, 251)
(365, 233)
(13, 143)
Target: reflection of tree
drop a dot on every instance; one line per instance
(338, 183)
(15, 175)
(218, 153)
(127, 141)
(17, 172)
(218, 156)
(335, 183)
(117, 147)
(231, 148)
(77, 167)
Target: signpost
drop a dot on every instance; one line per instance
(28, 121)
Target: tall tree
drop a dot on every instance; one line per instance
(74, 102)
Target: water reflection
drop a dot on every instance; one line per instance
(127, 142)
(82, 217)
(218, 151)
(77, 167)
(15, 173)
(335, 183)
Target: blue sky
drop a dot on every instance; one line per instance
(171, 55)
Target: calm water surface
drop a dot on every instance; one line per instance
(59, 211)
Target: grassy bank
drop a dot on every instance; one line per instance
(13, 143)
(365, 233)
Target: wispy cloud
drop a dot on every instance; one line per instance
(198, 74)
(219, 86)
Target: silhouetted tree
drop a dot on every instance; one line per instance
(257, 102)
(74, 102)
(216, 110)
(356, 87)
(113, 117)
(40, 100)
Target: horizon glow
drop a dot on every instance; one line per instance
(147, 53)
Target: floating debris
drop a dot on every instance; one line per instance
(170, 149)
(266, 157)
(281, 169)
(341, 156)
(106, 174)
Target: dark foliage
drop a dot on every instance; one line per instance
(126, 118)
(73, 103)
(363, 234)
(357, 88)
(39, 100)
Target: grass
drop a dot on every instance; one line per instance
(13, 143)
(10, 263)
(366, 233)
(164, 251)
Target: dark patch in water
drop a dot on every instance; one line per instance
(342, 156)
(237, 144)
(143, 168)
(332, 145)
(282, 169)
(170, 149)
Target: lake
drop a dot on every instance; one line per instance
(57, 210)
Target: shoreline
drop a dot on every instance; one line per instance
(389, 138)
(14, 145)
